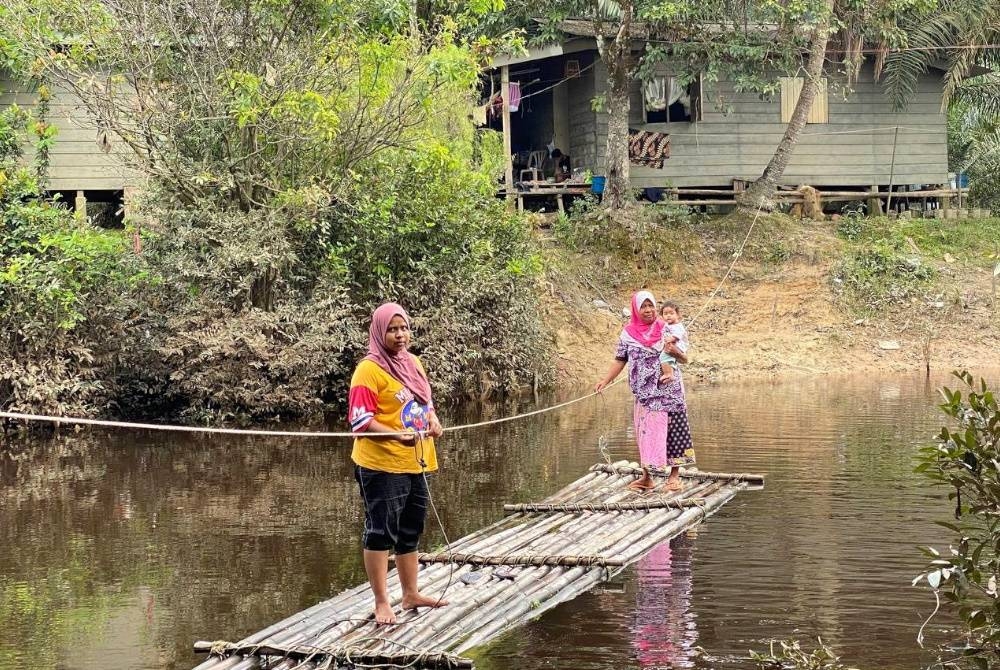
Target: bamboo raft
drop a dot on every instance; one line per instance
(499, 577)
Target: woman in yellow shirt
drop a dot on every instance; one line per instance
(390, 395)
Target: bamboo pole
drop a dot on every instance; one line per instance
(481, 599)
(507, 150)
(546, 539)
(518, 559)
(689, 474)
(425, 659)
(517, 612)
(544, 508)
(624, 528)
(368, 603)
(297, 627)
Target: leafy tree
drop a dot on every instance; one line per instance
(958, 33)
(754, 44)
(305, 160)
(974, 136)
(62, 286)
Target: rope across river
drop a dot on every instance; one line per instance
(19, 416)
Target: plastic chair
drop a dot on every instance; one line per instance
(537, 158)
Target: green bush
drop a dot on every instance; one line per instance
(966, 459)
(64, 288)
(878, 276)
(851, 227)
(789, 655)
(283, 202)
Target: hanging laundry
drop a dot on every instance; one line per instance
(515, 96)
(648, 148)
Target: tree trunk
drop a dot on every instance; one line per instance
(760, 195)
(617, 57)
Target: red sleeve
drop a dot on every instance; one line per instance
(361, 405)
(362, 402)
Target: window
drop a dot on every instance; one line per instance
(667, 101)
(791, 88)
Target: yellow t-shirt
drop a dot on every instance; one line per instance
(375, 394)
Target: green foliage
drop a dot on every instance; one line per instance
(651, 236)
(879, 276)
(789, 655)
(958, 33)
(326, 166)
(972, 241)
(62, 284)
(890, 262)
(974, 137)
(966, 458)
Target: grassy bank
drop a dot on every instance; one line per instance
(801, 297)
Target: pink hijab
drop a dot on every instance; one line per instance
(402, 365)
(648, 335)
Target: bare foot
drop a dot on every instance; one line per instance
(420, 600)
(384, 614)
(673, 484)
(645, 483)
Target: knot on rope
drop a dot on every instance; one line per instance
(219, 648)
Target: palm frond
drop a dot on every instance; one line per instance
(609, 10)
(980, 95)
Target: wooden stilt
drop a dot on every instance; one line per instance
(507, 140)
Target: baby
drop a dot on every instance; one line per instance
(674, 333)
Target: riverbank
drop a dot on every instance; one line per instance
(802, 299)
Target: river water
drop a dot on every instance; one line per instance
(119, 549)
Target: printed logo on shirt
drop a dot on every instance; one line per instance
(404, 395)
(359, 417)
(414, 416)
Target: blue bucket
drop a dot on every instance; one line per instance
(597, 184)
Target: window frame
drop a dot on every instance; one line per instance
(695, 90)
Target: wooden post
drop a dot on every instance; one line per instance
(128, 202)
(874, 204)
(508, 162)
(80, 206)
(892, 170)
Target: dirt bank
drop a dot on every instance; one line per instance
(780, 312)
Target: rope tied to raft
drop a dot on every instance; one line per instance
(219, 648)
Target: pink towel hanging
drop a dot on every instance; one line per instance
(515, 96)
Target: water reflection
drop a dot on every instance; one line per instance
(117, 550)
(665, 631)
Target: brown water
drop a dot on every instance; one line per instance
(117, 550)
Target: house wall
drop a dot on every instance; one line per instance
(77, 163)
(854, 149)
(583, 130)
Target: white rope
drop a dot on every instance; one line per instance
(736, 258)
(269, 433)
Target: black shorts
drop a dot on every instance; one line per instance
(395, 508)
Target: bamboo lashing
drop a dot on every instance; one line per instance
(546, 558)
(519, 559)
(425, 660)
(602, 507)
(747, 477)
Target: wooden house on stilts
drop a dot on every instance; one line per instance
(720, 136)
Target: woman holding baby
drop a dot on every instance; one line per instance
(660, 415)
